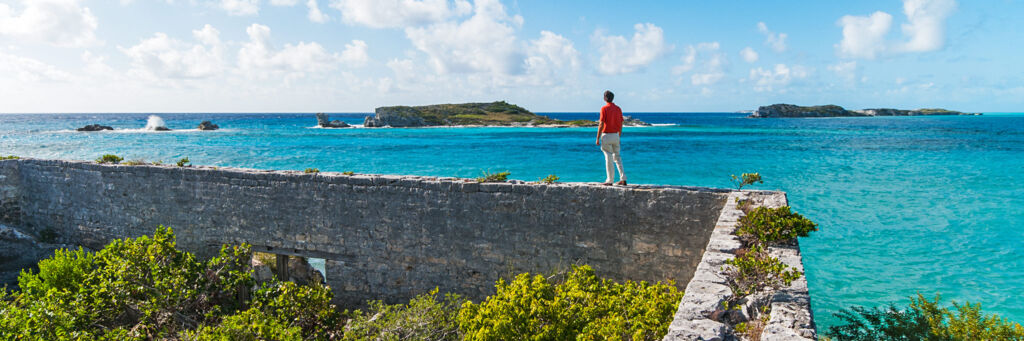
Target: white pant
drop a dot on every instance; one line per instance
(610, 146)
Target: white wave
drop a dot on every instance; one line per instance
(154, 122)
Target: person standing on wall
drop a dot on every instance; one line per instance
(609, 132)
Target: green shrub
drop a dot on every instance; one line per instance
(135, 162)
(773, 226)
(109, 158)
(349, 173)
(307, 307)
(311, 170)
(746, 179)
(550, 179)
(493, 177)
(184, 162)
(423, 318)
(923, 320)
(755, 271)
(249, 325)
(581, 307)
(9, 157)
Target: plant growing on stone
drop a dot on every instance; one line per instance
(426, 317)
(349, 173)
(755, 271)
(184, 162)
(493, 177)
(134, 162)
(109, 158)
(550, 179)
(9, 157)
(311, 170)
(746, 179)
(773, 226)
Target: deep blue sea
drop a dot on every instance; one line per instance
(905, 205)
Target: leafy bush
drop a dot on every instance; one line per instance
(307, 307)
(109, 158)
(550, 179)
(493, 177)
(9, 157)
(184, 162)
(581, 307)
(349, 173)
(311, 170)
(423, 318)
(249, 325)
(135, 162)
(746, 179)
(923, 320)
(755, 270)
(773, 226)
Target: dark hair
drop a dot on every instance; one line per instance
(608, 96)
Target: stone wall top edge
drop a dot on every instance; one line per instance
(367, 179)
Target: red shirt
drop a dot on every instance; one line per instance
(611, 115)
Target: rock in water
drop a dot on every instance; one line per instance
(94, 127)
(207, 125)
(629, 121)
(323, 122)
(162, 128)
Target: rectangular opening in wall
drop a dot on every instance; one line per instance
(296, 269)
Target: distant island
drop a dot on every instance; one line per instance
(790, 110)
(471, 114)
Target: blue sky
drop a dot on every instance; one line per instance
(355, 55)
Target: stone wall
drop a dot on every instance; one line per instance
(384, 237)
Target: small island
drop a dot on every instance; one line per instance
(790, 110)
(470, 114)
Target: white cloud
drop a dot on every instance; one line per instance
(355, 53)
(846, 70)
(259, 59)
(486, 42)
(164, 57)
(777, 41)
(284, 2)
(398, 13)
(777, 78)
(556, 49)
(620, 55)
(749, 54)
(926, 24)
(30, 70)
(864, 37)
(241, 7)
(706, 61)
(62, 23)
(315, 15)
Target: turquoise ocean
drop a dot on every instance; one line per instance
(906, 205)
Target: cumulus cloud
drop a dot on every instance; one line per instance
(777, 78)
(315, 15)
(777, 41)
(864, 37)
(284, 2)
(706, 61)
(240, 7)
(399, 13)
(164, 57)
(620, 55)
(846, 70)
(926, 24)
(749, 54)
(259, 59)
(30, 70)
(486, 42)
(355, 53)
(64, 23)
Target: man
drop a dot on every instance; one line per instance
(609, 130)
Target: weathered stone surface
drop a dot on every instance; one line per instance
(397, 117)
(384, 237)
(94, 127)
(322, 121)
(207, 125)
(789, 110)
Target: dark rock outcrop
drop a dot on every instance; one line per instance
(323, 122)
(94, 127)
(162, 128)
(629, 121)
(790, 110)
(397, 117)
(207, 125)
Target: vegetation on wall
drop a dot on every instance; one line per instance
(145, 288)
